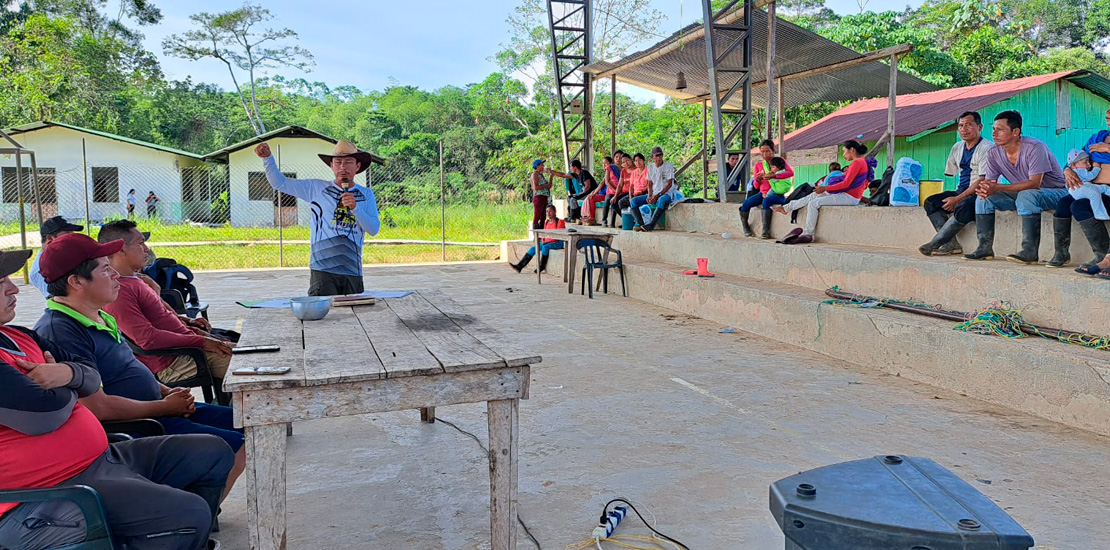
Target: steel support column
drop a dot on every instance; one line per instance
(733, 79)
(571, 28)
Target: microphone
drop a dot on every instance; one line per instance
(345, 182)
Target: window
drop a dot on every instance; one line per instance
(105, 184)
(258, 189)
(47, 189)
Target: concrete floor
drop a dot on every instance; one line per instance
(637, 401)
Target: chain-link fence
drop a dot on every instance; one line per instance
(226, 216)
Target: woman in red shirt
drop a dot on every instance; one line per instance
(553, 222)
(846, 192)
(612, 201)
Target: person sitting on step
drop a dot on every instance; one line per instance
(950, 211)
(553, 222)
(612, 207)
(846, 192)
(772, 191)
(586, 185)
(639, 184)
(1036, 184)
(1098, 147)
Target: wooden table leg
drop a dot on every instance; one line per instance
(566, 258)
(428, 414)
(539, 275)
(266, 486)
(572, 262)
(502, 473)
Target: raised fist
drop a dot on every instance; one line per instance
(263, 150)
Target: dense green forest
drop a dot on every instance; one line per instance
(82, 62)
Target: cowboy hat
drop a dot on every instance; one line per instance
(348, 149)
(12, 261)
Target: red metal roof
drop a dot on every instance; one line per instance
(915, 113)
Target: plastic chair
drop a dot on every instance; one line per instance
(97, 535)
(203, 380)
(597, 251)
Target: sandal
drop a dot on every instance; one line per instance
(803, 239)
(1089, 269)
(791, 236)
(1104, 274)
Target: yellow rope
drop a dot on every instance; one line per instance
(618, 540)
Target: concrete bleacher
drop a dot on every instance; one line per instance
(776, 291)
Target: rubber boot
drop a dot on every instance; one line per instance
(767, 214)
(1030, 240)
(543, 262)
(523, 262)
(1061, 233)
(745, 225)
(938, 219)
(605, 215)
(1095, 231)
(944, 242)
(984, 230)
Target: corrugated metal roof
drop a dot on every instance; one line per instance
(797, 50)
(917, 113)
(287, 131)
(33, 126)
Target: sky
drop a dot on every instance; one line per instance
(428, 44)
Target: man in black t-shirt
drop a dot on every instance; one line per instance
(587, 185)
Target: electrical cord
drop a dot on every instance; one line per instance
(484, 449)
(605, 510)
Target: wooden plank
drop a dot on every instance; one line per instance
(266, 486)
(455, 349)
(502, 473)
(399, 350)
(383, 395)
(336, 349)
(507, 348)
(264, 327)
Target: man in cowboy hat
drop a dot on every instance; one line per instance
(342, 213)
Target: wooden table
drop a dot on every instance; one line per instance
(414, 352)
(570, 256)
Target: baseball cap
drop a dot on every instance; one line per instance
(57, 224)
(1076, 155)
(68, 251)
(12, 261)
(537, 162)
(656, 151)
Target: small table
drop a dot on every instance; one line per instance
(570, 257)
(414, 352)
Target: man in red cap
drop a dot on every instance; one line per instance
(81, 282)
(159, 492)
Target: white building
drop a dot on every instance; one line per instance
(114, 164)
(86, 175)
(296, 151)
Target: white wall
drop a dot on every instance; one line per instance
(297, 155)
(141, 168)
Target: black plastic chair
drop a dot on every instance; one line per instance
(176, 301)
(124, 430)
(597, 251)
(203, 380)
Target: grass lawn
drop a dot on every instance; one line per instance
(465, 223)
(213, 256)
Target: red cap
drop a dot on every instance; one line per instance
(67, 252)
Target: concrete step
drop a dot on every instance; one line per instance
(1056, 381)
(888, 227)
(1058, 298)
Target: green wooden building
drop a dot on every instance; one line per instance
(1062, 109)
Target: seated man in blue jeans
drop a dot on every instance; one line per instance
(82, 282)
(159, 493)
(1036, 184)
(661, 192)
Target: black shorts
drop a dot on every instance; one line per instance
(322, 283)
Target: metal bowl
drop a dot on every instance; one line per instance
(310, 308)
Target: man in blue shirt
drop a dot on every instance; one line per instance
(342, 213)
(950, 211)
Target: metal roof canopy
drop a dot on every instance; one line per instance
(798, 52)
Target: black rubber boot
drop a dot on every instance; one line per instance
(1095, 231)
(543, 262)
(984, 230)
(1061, 233)
(605, 215)
(944, 243)
(767, 214)
(1030, 240)
(938, 220)
(523, 262)
(745, 225)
